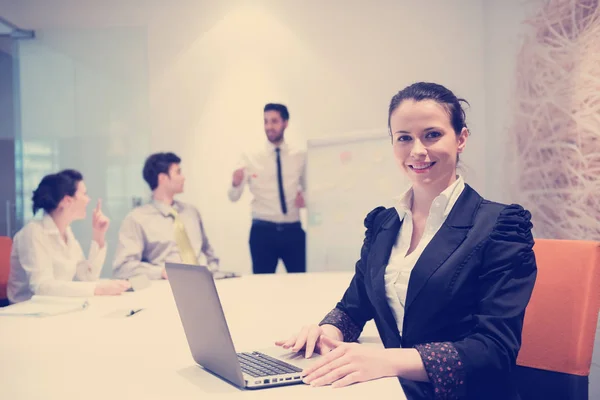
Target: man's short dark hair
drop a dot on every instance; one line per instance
(156, 164)
(280, 108)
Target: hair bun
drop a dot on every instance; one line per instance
(53, 188)
(42, 196)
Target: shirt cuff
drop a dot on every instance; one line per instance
(444, 368)
(75, 289)
(96, 252)
(235, 192)
(341, 320)
(155, 272)
(89, 289)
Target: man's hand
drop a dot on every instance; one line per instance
(300, 200)
(238, 177)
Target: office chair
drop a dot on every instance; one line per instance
(560, 321)
(5, 249)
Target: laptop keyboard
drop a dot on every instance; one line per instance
(258, 364)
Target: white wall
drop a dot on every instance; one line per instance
(211, 66)
(505, 25)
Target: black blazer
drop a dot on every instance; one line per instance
(466, 297)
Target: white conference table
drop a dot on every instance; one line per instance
(98, 353)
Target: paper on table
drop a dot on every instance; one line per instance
(45, 306)
(224, 274)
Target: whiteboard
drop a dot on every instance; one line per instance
(346, 178)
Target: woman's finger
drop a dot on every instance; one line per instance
(301, 340)
(311, 341)
(328, 369)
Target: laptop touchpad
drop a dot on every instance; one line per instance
(291, 357)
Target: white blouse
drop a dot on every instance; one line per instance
(400, 265)
(43, 263)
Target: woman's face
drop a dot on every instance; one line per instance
(425, 144)
(76, 205)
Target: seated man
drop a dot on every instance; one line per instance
(165, 230)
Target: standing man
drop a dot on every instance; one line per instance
(276, 177)
(165, 230)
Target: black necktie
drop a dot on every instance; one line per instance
(280, 182)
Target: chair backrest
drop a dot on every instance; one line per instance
(5, 249)
(560, 320)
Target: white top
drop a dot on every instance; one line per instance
(43, 263)
(397, 272)
(261, 176)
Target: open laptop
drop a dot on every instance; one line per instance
(210, 341)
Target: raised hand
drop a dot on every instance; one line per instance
(100, 224)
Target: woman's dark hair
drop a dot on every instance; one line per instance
(53, 188)
(432, 91)
(156, 164)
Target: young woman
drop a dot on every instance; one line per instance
(445, 274)
(46, 258)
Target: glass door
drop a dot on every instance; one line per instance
(84, 105)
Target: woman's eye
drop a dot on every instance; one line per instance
(433, 134)
(404, 138)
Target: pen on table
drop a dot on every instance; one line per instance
(132, 312)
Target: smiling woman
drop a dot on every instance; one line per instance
(424, 136)
(445, 274)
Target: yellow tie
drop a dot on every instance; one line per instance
(183, 242)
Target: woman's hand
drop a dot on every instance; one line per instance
(310, 338)
(111, 287)
(100, 224)
(349, 363)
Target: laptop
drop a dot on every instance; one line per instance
(210, 341)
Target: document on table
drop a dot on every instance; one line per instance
(45, 306)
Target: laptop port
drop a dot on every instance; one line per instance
(275, 380)
(296, 377)
(288, 379)
(267, 381)
(256, 382)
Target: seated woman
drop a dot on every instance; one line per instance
(46, 258)
(445, 274)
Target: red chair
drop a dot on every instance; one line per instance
(5, 249)
(560, 321)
